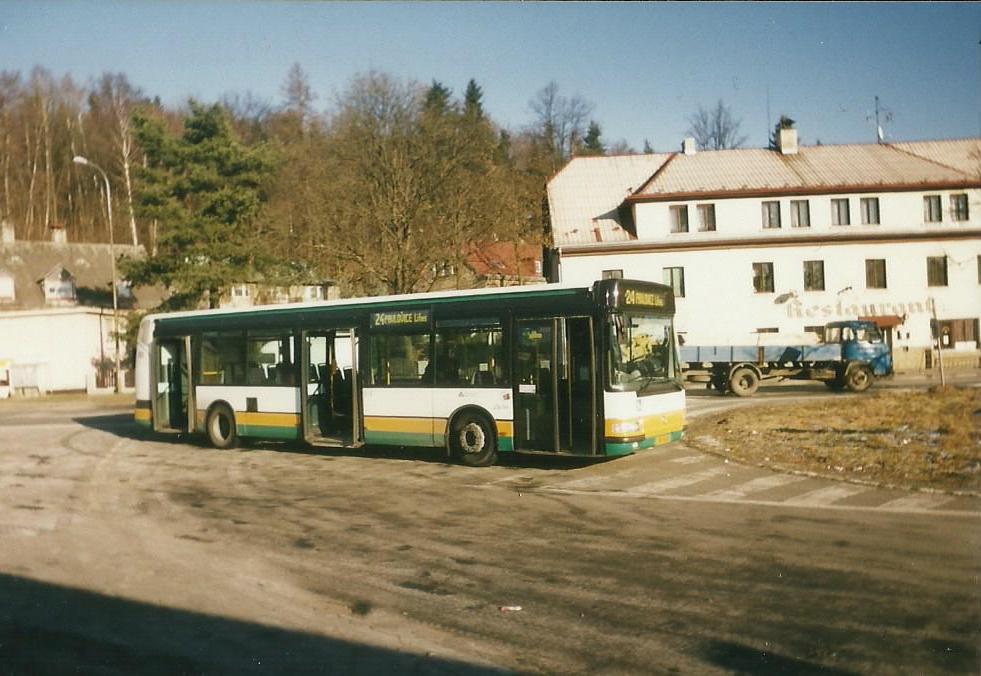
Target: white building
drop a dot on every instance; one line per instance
(783, 241)
(56, 322)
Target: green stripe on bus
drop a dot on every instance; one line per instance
(267, 432)
(398, 438)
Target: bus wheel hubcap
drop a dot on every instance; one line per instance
(472, 438)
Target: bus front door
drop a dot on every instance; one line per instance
(173, 396)
(330, 396)
(555, 400)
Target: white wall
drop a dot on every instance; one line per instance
(62, 342)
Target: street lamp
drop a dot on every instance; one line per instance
(78, 159)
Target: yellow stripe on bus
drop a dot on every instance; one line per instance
(409, 425)
(256, 418)
(267, 419)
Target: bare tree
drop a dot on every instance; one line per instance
(560, 123)
(715, 129)
(115, 99)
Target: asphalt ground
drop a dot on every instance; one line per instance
(121, 553)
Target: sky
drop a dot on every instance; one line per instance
(646, 67)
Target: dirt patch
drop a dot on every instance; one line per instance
(915, 439)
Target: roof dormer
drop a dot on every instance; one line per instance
(59, 286)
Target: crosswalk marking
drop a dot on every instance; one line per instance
(755, 486)
(677, 482)
(689, 459)
(826, 495)
(916, 502)
(603, 479)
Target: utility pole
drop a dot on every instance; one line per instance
(78, 159)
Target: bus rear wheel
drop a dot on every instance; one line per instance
(220, 426)
(473, 441)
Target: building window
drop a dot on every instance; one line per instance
(6, 286)
(679, 218)
(675, 278)
(870, 210)
(771, 214)
(817, 329)
(958, 207)
(768, 329)
(443, 269)
(952, 332)
(800, 214)
(313, 292)
(813, 275)
(840, 215)
(932, 213)
(612, 274)
(875, 273)
(706, 218)
(763, 277)
(937, 271)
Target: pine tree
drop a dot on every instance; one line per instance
(205, 189)
(592, 144)
(438, 98)
(473, 100)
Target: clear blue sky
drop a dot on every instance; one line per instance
(646, 67)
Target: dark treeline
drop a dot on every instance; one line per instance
(374, 189)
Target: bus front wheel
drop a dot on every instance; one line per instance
(221, 427)
(473, 440)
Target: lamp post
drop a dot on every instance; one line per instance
(78, 159)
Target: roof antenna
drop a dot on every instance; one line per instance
(886, 116)
(767, 136)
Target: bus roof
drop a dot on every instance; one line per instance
(530, 291)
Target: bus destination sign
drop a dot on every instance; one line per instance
(645, 298)
(400, 318)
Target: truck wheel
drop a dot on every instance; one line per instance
(473, 441)
(220, 426)
(858, 378)
(744, 382)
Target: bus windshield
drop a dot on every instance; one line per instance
(641, 352)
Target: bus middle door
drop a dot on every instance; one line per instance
(535, 378)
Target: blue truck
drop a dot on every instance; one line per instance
(852, 354)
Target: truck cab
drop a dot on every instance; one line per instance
(861, 341)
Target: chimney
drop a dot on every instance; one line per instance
(788, 141)
(58, 234)
(688, 146)
(7, 236)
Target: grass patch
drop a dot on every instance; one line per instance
(916, 439)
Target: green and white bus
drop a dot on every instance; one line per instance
(551, 368)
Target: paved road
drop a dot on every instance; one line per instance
(125, 555)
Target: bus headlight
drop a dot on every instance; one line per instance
(626, 428)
